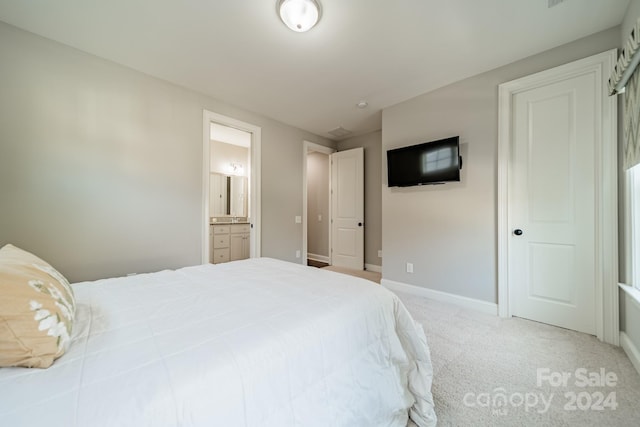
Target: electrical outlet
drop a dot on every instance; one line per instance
(319, 217)
(298, 254)
(409, 267)
(379, 253)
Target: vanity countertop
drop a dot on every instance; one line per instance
(228, 222)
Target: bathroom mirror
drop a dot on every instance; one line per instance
(228, 195)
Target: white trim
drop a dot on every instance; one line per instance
(474, 304)
(632, 292)
(206, 171)
(504, 154)
(607, 321)
(627, 344)
(373, 267)
(319, 258)
(608, 216)
(629, 211)
(255, 198)
(632, 238)
(308, 147)
(631, 350)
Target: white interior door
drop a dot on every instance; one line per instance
(347, 205)
(552, 203)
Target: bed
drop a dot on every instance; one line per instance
(259, 342)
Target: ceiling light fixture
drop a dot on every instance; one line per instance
(299, 15)
(362, 104)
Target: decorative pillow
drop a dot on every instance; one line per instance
(37, 308)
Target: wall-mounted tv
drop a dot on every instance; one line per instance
(433, 162)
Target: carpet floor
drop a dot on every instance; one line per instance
(365, 274)
(491, 371)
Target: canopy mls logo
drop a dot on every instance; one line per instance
(499, 401)
(593, 393)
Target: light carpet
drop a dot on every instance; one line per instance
(365, 274)
(478, 358)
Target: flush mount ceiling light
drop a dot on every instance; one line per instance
(299, 15)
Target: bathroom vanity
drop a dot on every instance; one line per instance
(229, 241)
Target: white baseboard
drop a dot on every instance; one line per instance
(373, 267)
(474, 304)
(632, 351)
(319, 258)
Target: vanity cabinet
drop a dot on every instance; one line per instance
(239, 241)
(229, 242)
(219, 243)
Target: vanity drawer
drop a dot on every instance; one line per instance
(220, 241)
(241, 228)
(220, 255)
(220, 229)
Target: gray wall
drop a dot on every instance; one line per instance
(372, 144)
(449, 231)
(629, 308)
(101, 166)
(223, 154)
(630, 18)
(318, 204)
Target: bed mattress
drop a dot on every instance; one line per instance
(258, 342)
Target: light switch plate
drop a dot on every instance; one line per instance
(298, 219)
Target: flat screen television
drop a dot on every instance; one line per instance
(433, 162)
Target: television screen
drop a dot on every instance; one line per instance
(427, 163)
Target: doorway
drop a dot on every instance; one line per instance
(557, 198)
(316, 204)
(237, 181)
(344, 226)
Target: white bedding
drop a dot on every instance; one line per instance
(251, 343)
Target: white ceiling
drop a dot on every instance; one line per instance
(229, 135)
(381, 51)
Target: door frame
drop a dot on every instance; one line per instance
(255, 198)
(309, 147)
(606, 215)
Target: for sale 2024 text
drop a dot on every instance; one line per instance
(589, 399)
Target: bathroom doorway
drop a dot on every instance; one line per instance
(231, 188)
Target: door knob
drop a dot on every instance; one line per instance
(359, 224)
(517, 232)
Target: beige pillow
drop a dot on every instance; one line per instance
(37, 308)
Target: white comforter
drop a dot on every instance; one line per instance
(257, 343)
